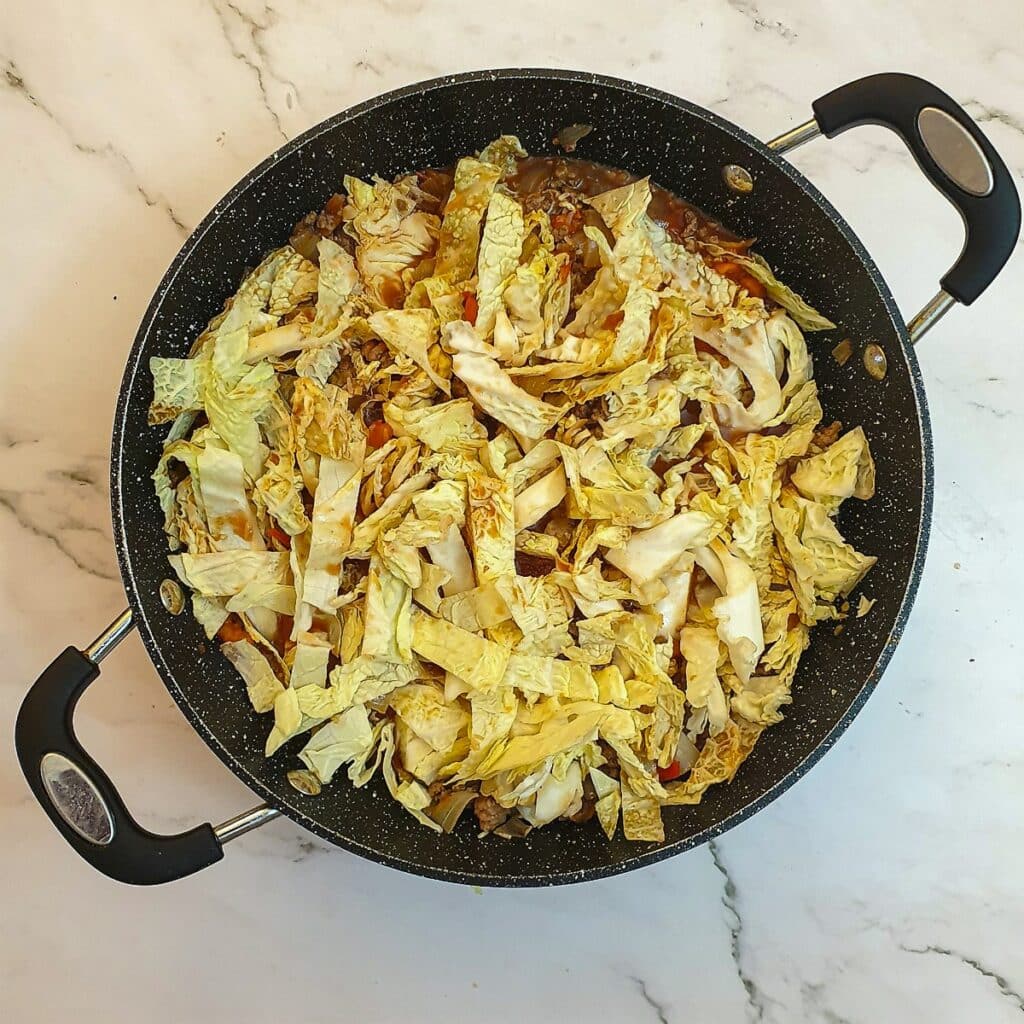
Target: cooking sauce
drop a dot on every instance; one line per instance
(560, 187)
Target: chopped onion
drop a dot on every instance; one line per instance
(514, 828)
(842, 352)
(569, 136)
(448, 808)
(686, 753)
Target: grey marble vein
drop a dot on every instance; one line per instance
(755, 998)
(984, 113)
(260, 66)
(813, 997)
(15, 81)
(750, 11)
(10, 501)
(999, 414)
(975, 965)
(654, 1004)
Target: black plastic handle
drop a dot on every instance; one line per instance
(991, 220)
(58, 769)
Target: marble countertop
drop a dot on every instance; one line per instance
(885, 886)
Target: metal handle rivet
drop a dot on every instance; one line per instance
(171, 597)
(737, 179)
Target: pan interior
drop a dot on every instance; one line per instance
(684, 149)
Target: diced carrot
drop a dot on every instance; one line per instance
(470, 307)
(563, 271)
(735, 272)
(565, 223)
(282, 538)
(379, 433)
(673, 771)
(754, 287)
(232, 630)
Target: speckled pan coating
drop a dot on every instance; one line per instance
(683, 148)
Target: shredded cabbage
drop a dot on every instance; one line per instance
(521, 533)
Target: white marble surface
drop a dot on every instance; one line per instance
(884, 887)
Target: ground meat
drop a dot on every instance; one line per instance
(372, 412)
(533, 565)
(305, 237)
(329, 218)
(585, 813)
(826, 436)
(489, 813)
(436, 186)
(611, 765)
(594, 409)
(374, 351)
(557, 526)
(177, 471)
(344, 375)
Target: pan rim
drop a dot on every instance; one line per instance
(644, 856)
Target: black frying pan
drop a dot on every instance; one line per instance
(685, 149)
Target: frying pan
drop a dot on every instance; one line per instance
(685, 149)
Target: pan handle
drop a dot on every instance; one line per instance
(955, 156)
(79, 797)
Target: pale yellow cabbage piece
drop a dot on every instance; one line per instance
(179, 385)
(843, 470)
(446, 426)
(334, 511)
(460, 230)
(234, 409)
(390, 237)
(423, 708)
(478, 661)
(278, 490)
(699, 647)
(387, 626)
(361, 681)
(477, 609)
(491, 386)
(261, 684)
(719, 760)
(223, 573)
(210, 613)
(345, 738)
(822, 566)
(230, 516)
(539, 498)
(609, 800)
(648, 553)
(502, 242)
(289, 720)
(641, 817)
(412, 333)
(309, 666)
(277, 597)
(412, 796)
(503, 152)
(738, 610)
(492, 534)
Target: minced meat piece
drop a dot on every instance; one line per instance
(489, 813)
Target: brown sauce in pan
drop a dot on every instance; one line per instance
(558, 185)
